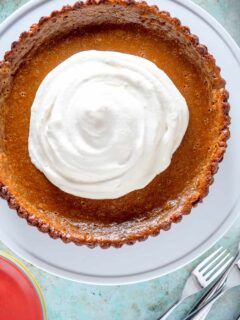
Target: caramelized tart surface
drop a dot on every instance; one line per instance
(140, 213)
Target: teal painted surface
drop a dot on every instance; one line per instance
(68, 300)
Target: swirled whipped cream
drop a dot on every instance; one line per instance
(104, 124)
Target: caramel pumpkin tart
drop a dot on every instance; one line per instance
(113, 121)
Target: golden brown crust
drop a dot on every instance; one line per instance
(11, 63)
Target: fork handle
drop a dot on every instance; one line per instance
(201, 310)
(204, 312)
(169, 311)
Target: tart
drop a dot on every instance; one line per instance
(128, 27)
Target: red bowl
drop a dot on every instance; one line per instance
(20, 295)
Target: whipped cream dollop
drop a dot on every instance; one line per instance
(105, 123)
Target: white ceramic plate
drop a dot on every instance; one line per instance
(172, 249)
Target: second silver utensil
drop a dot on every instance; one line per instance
(225, 282)
(204, 274)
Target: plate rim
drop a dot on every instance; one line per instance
(152, 274)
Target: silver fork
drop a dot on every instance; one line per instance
(205, 273)
(225, 282)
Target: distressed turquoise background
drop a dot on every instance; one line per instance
(68, 300)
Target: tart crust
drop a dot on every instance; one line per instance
(12, 61)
